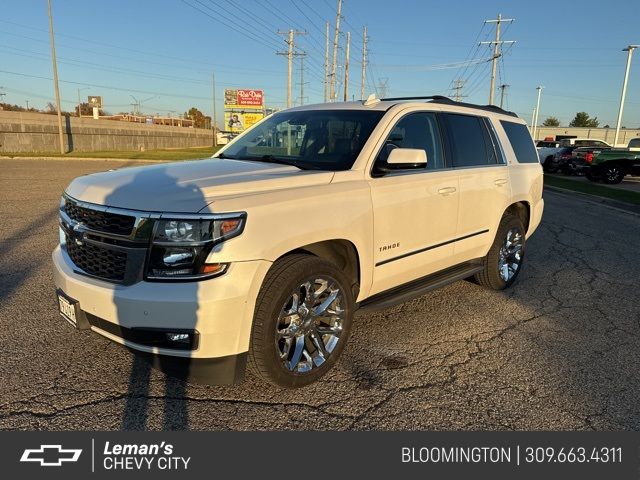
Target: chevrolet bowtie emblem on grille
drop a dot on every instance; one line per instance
(78, 233)
(50, 455)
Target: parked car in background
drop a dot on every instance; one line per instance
(559, 157)
(610, 165)
(546, 150)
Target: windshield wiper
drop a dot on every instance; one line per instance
(227, 157)
(282, 161)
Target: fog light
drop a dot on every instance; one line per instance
(179, 337)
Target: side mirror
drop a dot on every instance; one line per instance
(401, 158)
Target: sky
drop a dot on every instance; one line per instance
(162, 53)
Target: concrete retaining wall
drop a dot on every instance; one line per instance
(38, 132)
(606, 134)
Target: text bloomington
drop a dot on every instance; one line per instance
(456, 455)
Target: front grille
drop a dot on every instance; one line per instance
(100, 221)
(98, 261)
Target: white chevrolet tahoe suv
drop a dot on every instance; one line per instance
(262, 254)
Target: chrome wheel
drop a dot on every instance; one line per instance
(612, 174)
(310, 324)
(510, 256)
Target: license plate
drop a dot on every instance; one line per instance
(67, 309)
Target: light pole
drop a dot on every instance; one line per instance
(535, 120)
(629, 51)
(55, 80)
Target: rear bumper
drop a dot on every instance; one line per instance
(218, 311)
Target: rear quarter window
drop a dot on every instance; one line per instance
(521, 142)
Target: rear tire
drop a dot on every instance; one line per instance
(503, 263)
(612, 174)
(301, 322)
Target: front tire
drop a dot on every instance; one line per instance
(550, 166)
(302, 321)
(502, 264)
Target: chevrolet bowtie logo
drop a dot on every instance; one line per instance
(50, 455)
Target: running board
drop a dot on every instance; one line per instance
(419, 287)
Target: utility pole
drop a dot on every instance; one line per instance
(55, 80)
(535, 120)
(332, 89)
(458, 85)
(502, 87)
(497, 43)
(346, 68)
(364, 61)
(629, 51)
(213, 117)
(326, 61)
(135, 105)
(302, 82)
(290, 53)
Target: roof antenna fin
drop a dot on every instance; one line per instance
(371, 100)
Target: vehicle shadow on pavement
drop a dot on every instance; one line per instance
(136, 410)
(164, 312)
(13, 271)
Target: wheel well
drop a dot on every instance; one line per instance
(522, 210)
(342, 253)
(620, 163)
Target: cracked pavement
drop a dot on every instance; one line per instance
(560, 350)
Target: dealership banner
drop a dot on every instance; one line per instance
(405, 455)
(243, 98)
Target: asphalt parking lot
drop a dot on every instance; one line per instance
(560, 350)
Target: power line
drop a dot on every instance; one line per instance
(217, 19)
(497, 44)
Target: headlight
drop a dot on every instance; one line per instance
(180, 246)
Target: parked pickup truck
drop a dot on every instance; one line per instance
(555, 158)
(610, 165)
(262, 254)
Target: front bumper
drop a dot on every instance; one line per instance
(220, 310)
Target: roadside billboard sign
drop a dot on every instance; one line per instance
(95, 101)
(243, 98)
(237, 122)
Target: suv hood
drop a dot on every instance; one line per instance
(188, 187)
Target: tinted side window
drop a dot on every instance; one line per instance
(521, 142)
(420, 131)
(468, 139)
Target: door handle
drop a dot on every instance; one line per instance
(499, 182)
(447, 190)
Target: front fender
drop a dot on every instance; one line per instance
(279, 222)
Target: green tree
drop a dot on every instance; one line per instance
(582, 119)
(87, 110)
(551, 122)
(199, 118)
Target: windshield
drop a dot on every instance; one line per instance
(315, 139)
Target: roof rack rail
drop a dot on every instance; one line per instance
(448, 101)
